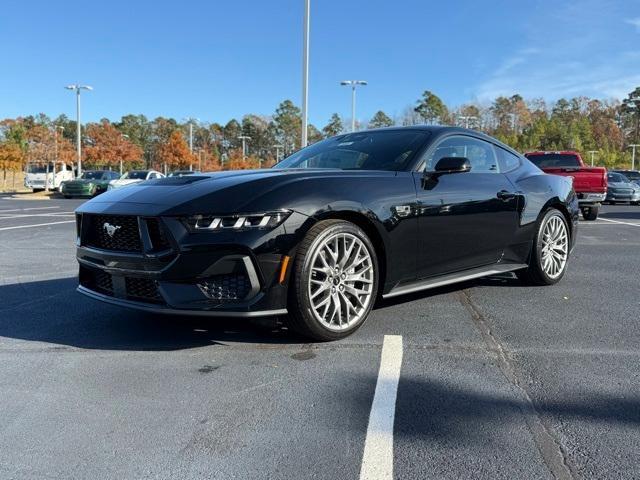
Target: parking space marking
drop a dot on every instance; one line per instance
(28, 215)
(36, 225)
(377, 460)
(621, 223)
(26, 209)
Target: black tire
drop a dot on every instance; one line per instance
(590, 213)
(301, 318)
(67, 196)
(534, 274)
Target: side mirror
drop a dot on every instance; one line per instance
(453, 165)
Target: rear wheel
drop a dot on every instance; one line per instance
(334, 283)
(550, 252)
(590, 213)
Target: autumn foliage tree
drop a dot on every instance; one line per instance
(108, 147)
(11, 160)
(175, 153)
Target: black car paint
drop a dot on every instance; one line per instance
(422, 225)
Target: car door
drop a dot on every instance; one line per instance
(464, 219)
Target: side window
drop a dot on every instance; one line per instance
(151, 175)
(480, 153)
(507, 160)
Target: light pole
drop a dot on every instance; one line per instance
(633, 155)
(353, 84)
(77, 88)
(244, 139)
(305, 73)
(592, 153)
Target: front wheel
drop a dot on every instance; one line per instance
(334, 282)
(590, 213)
(550, 252)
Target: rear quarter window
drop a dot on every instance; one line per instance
(507, 160)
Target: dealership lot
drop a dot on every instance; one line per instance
(497, 380)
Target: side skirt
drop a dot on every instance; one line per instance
(404, 288)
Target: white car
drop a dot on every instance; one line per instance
(134, 176)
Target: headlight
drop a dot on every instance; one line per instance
(217, 223)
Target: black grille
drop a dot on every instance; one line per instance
(125, 235)
(159, 240)
(96, 280)
(225, 288)
(143, 289)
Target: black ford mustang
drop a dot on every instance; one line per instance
(320, 236)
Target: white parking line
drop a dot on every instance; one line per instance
(621, 223)
(26, 209)
(377, 460)
(37, 225)
(28, 215)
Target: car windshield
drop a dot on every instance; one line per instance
(135, 175)
(39, 168)
(91, 175)
(390, 150)
(550, 160)
(617, 177)
(630, 175)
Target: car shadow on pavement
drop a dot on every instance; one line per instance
(628, 215)
(429, 408)
(52, 311)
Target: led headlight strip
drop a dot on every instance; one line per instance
(209, 223)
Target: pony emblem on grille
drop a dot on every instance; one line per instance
(110, 229)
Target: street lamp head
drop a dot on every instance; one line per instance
(70, 87)
(345, 82)
(360, 82)
(86, 87)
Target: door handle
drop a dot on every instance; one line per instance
(505, 195)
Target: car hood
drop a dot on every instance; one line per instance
(82, 181)
(633, 186)
(237, 191)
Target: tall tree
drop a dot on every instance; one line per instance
(630, 113)
(288, 124)
(108, 147)
(380, 120)
(334, 127)
(431, 108)
(175, 154)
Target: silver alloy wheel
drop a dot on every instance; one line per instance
(555, 247)
(340, 281)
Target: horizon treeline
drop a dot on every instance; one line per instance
(604, 127)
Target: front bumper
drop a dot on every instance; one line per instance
(235, 274)
(614, 196)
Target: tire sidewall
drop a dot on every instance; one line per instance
(538, 246)
(302, 283)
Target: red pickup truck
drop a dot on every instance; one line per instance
(590, 183)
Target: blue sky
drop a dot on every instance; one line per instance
(221, 59)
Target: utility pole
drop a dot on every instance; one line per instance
(353, 84)
(244, 139)
(77, 88)
(592, 152)
(278, 147)
(633, 155)
(124, 135)
(305, 73)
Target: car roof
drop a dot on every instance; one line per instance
(441, 130)
(553, 152)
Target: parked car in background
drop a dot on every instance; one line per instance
(633, 175)
(320, 236)
(89, 184)
(621, 189)
(182, 173)
(133, 177)
(39, 173)
(590, 183)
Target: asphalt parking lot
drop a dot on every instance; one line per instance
(497, 380)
